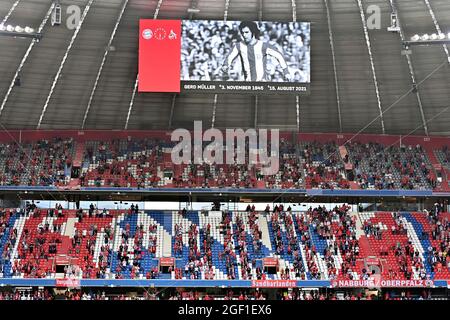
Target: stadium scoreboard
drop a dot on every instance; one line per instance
(214, 56)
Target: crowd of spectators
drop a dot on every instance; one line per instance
(194, 265)
(438, 255)
(144, 163)
(130, 256)
(39, 163)
(446, 152)
(205, 234)
(406, 261)
(323, 167)
(26, 295)
(8, 233)
(118, 163)
(254, 230)
(228, 254)
(391, 167)
(291, 234)
(226, 294)
(245, 260)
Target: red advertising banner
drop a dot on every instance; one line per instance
(69, 187)
(377, 282)
(270, 262)
(159, 55)
(67, 283)
(372, 261)
(167, 261)
(274, 283)
(62, 260)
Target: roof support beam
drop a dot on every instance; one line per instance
(225, 12)
(172, 108)
(260, 10)
(438, 28)
(11, 10)
(412, 72)
(213, 119)
(158, 6)
(25, 58)
(193, 6)
(294, 11)
(256, 112)
(105, 55)
(297, 98)
(336, 82)
(372, 64)
(61, 66)
(133, 95)
(260, 15)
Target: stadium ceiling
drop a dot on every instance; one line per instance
(85, 77)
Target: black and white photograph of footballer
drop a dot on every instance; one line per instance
(245, 51)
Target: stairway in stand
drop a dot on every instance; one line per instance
(443, 186)
(79, 154)
(66, 243)
(365, 247)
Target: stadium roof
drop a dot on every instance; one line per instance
(356, 108)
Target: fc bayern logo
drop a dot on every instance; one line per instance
(147, 34)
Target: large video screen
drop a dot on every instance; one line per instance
(236, 56)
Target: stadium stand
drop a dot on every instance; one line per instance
(316, 244)
(146, 163)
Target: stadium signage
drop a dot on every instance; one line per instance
(245, 87)
(270, 262)
(166, 261)
(215, 56)
(382, 283)
(159, 56)
(274, 283)
(67, 283)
